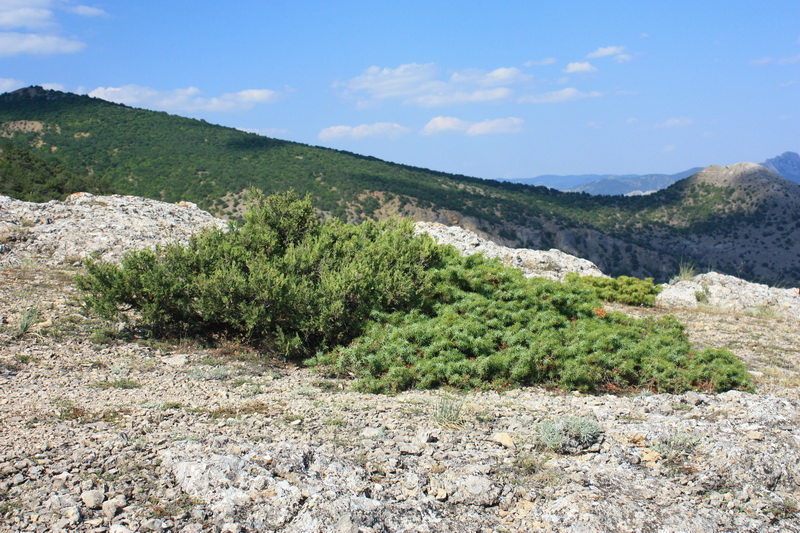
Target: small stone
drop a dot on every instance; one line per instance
(504, 439)
(409, 449)
(153, 524)
(372, 433)
(755, 435)
(93, 499)
(110, 507)
(650, 456)
(72, 514)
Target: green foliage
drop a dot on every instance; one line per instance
(484, 324)
(172, 158)
(395, 310)
(282, 280)
(26, 176)
(624, 289)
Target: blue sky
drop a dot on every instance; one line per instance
(501, 89)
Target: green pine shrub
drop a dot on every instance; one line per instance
(485, 325)
(282, 280)
(396, 310)
(623, 289)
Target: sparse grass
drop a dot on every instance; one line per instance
(531, 463)
(784, 510)
(764, 311)
(216, 373)
(235, 411)
(686, 271)
(121, 383)
(676, 448)
(7, 504)
(571, 434)
(27, 319)
(447, 411)
(104, 334)
(69, 410)
(305, 391)
(182, 505)
(702, 296)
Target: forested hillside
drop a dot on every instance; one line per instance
(94, 144)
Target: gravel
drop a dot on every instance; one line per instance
(100, 434)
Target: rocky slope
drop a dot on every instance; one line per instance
(106, 435)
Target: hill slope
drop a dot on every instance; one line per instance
(173, 158)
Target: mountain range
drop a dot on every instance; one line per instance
(786, 165)
(741, 219)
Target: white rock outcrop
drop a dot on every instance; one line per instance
(552, 264)
(720, 291)
(83, 224)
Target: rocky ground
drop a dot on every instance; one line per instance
(103, 434)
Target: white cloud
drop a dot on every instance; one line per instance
(779, 61)
(390, 130)
(33, 15)
(762, 61)
(670, 148)
(13, 43)
(676, 122)
(9, 84)
(564, 95)
(421, 85)
(605, 51)
(188, 99)
(443, 124)
(540, 62)
(459, 97)
(580, 66)
(40, 28)
(497, 125)
(487, 127)
(623, 58)
(86, 11)
(498, 76)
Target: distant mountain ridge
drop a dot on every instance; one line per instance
(635, 185)
(786, 165)
(730, 225)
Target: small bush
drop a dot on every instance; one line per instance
(624, 289)
(282, 280)
(572, 434)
